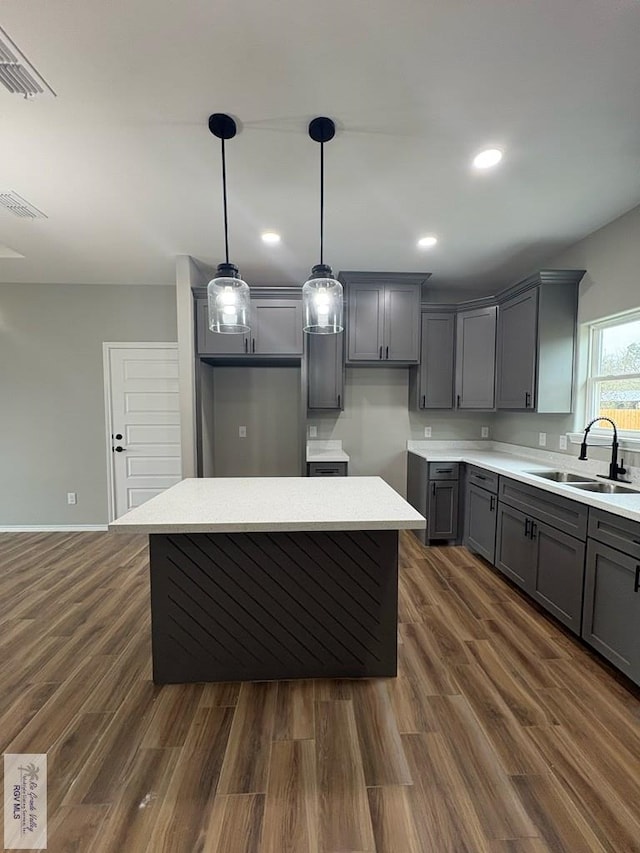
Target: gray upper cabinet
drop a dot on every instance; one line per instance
(365, 318)
(325, 370)
(431, 385)
(213, 343)
(276, 330)
(276, 326)
(537, 342)
(476, 358)
(517, 346)
(383, 322)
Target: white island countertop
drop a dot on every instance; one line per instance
(272, 504)
(524, 469)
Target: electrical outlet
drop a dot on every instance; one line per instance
(313, 432)
(484, 432)
(542, 439)
(72, 498)
(562, 442)
(427, 432)
(242, 432)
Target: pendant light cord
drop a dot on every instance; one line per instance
(321, 202)
(224, 199)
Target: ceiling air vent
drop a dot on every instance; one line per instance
(17, 74)
(20, 207)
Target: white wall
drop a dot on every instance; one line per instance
(52, 420)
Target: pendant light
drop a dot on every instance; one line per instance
(228, 295)
(321, 293)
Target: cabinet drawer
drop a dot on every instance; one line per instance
(327, 469)
(443, 470)
(620, 533)
(485, 479)
(559, 512)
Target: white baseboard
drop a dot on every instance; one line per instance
(53, 528)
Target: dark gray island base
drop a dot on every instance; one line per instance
(262, 606)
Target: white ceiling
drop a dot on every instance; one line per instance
(124, 166)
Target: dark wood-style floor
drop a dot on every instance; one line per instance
(501, 732)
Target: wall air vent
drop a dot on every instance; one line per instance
(19, 206)
(17, 74)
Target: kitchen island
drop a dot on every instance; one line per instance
(273, 578)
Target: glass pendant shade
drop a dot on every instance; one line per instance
(322, 302)
(229, 302)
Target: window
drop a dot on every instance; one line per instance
(613, 386)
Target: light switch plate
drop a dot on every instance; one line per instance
(427, 432)
(313, 432)
(242, 432)
(562, 442)
(542, 439)
(484, 432)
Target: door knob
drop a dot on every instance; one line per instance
(118, 436)
(118, 449)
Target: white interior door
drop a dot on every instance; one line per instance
(144, 423)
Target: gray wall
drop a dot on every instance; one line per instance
(376, 423)
(266, 400)
(52, 419)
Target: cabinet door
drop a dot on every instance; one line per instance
(436, 361)
(401, 322)
(517, 351)
(476, 359)
(276, 326)
(515, 552)
(213, 343)
(325, 371)
(559, 576)
(480, 515)
(365, 322)
(442, 521)
(611, 613)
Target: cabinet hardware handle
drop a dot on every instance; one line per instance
(636, 541)
(492, 503)
(246, 344)
(527, 522)
(458, 401)
(534, 530)
(480, 476)
(424, 402)
(636, 586)
(339, 400)
(387, 353)
(527, 400)
(445, 470)
(433, 489)
(253, 344)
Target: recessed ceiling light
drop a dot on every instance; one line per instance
(487, 158)
(271, 238)
(427, 242)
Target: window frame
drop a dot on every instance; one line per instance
(594, 378)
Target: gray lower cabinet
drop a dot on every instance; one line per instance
(431, 384)
(514, 554)
(327, 469)
(547, 563)
(325, 371)
(442, 511)
(611, 614)
(476, 358)
(480, 521)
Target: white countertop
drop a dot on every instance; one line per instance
(260, 504)
(523, 468)
(329, 450)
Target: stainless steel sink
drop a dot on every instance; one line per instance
(562, 477)
(606, 488)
